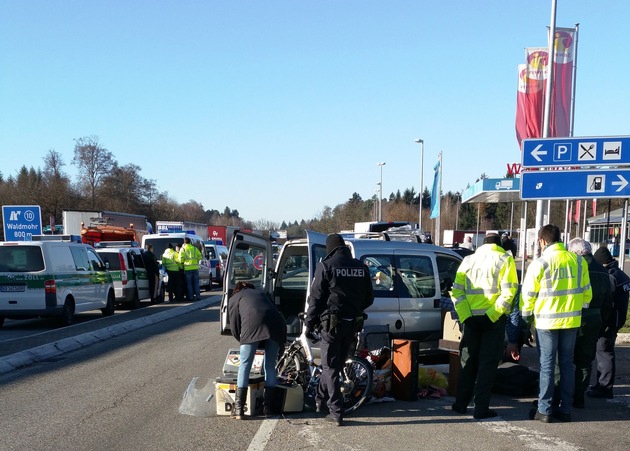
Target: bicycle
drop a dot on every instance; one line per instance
(297, 365)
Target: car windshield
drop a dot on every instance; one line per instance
(21, 259)
(112, 258)
(160, 244)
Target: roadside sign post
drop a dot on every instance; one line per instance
(21, 222)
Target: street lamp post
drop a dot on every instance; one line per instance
(380, 196)
(421, 142)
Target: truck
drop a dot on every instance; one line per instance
(182, 226)
(221, 234)
(75, 220)
(450, 237)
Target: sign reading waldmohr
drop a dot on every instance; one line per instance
(21, 222)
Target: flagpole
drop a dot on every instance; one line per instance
(541, 205)
(439, 199)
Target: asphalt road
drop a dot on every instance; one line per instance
(123, 391)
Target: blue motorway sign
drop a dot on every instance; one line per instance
(582, 151)
(575, 184)
(21, 222)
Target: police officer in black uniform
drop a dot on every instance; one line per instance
(341, 291)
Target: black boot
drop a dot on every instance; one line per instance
(269, 402)
(238, 409)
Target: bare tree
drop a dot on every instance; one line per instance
(57, 185)
(94, 163)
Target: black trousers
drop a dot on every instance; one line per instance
(335, 346)
(606, 366)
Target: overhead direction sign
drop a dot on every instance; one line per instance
(580, 151)
(575, 184)
(21, 222)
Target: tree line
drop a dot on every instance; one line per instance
(104, 184)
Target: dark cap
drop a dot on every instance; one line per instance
(492, 238)
(603, 255)
(333, 241)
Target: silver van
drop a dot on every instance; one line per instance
(52, 276)
(409, 280)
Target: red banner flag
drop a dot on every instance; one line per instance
(576, 218)
(564, 52)
(537, 74)
(521, 124)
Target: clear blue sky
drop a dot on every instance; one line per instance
(292, 103)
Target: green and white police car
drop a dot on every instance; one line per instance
(52, 276)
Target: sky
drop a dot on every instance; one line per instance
(279, 109)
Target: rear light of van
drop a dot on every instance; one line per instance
(50, 287)
(123, 269)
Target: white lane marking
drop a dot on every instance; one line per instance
(260, 440)
(531, 438)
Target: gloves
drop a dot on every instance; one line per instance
(308, 333)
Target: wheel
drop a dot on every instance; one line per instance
(111, 306)
(67, 314)
(135, 303)
(356, 383)
(292, 367)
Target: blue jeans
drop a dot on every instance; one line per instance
(192, 284)
(248, 352)
(550, 343)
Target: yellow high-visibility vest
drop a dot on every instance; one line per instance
(485, 284)
(556, 288)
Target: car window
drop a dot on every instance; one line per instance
(381, 269)
(21, 259)
(417, 276)
(447, 267)
(138, 261)
(246, 267)
(112, 259)
(79, 255)
(211, 253)
(95, 263)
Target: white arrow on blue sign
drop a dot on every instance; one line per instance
(575, 184)
(581, 151)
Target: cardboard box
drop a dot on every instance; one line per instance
(451, 328)
(290, 398)
(225, 392)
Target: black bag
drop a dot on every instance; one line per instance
(514, 379)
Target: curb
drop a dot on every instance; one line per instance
(44, 352)
(623, 338)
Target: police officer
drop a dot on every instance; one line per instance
(341, 291)
(556, 288)
(170, 260)
(608, 333)
(483, 293)
(189, 256)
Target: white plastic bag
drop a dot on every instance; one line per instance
(198, 402)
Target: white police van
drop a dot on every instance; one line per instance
(53, 275)
(160, 242)
(409, 280)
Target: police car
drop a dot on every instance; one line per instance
(409, 280)
(55, 276)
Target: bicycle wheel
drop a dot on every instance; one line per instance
(292, 367)
(356, 383)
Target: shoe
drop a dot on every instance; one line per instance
(536, 415)
(331, 419)
(320, 408)
(600, 393)
(489, 413)
(563, 417)
(459, 409)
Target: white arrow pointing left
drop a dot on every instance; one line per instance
(621, 183)
(537, 152)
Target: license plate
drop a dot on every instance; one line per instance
(12, 288)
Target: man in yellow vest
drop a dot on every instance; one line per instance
(189, 256)
(556, 288)
(170, 260)
(483, 294)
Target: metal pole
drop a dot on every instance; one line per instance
(380, 197)
(421, 182)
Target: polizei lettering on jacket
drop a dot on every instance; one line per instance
(349, 272)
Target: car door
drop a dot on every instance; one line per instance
(136, 263)
(260, 249)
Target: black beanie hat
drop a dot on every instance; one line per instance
(603, 255)
(492, 238)
(333, 241)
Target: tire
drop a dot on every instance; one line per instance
(292, 367)
(67, 314)
(356, 383)
(110, 308)
(135, 303)
(1, 320)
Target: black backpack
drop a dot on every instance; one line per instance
(514, 379)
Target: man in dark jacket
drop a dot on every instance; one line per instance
(592, 319)
(341, 291)
(255, 321)
(608, 333)
(153, 272)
